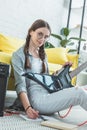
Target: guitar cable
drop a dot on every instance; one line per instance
(63, 116)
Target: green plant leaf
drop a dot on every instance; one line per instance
(64, 42)
(71, 43)
(64, 31)
(49, 45)
(56, 36)
(72, 50)
(79, 39)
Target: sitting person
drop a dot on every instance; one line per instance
(32, 58)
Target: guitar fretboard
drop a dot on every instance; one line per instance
(78, 70)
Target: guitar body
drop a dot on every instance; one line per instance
(52, 83)
(64, 79)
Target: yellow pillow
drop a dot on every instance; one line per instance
(9, 44)
(57, 55)
(5, 57)
(74, 59)
(54, 67)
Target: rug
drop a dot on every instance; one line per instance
(15, 122)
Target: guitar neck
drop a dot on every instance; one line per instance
(78, 70)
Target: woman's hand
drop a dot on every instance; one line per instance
(32, 113)
(67, 63)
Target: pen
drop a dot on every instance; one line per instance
(40, 116)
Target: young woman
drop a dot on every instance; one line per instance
(32, 58)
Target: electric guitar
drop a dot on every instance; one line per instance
(56, 82)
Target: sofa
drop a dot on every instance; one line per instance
(56, 56)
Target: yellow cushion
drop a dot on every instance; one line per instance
(53, 67)
(5, 57)
(9, 44)
(11, 82)
(57, 55)
(74, 59)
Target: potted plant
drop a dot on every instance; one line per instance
(65, 39)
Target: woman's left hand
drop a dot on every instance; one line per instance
(68, 63)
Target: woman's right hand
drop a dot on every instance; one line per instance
(32, 113)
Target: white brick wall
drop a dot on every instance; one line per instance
(17, 15)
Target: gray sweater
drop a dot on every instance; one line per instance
(18, 62)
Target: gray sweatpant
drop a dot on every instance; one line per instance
(47, 103)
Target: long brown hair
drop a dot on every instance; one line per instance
(37, 24)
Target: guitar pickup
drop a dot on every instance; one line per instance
(60, 84)
(68, 78)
